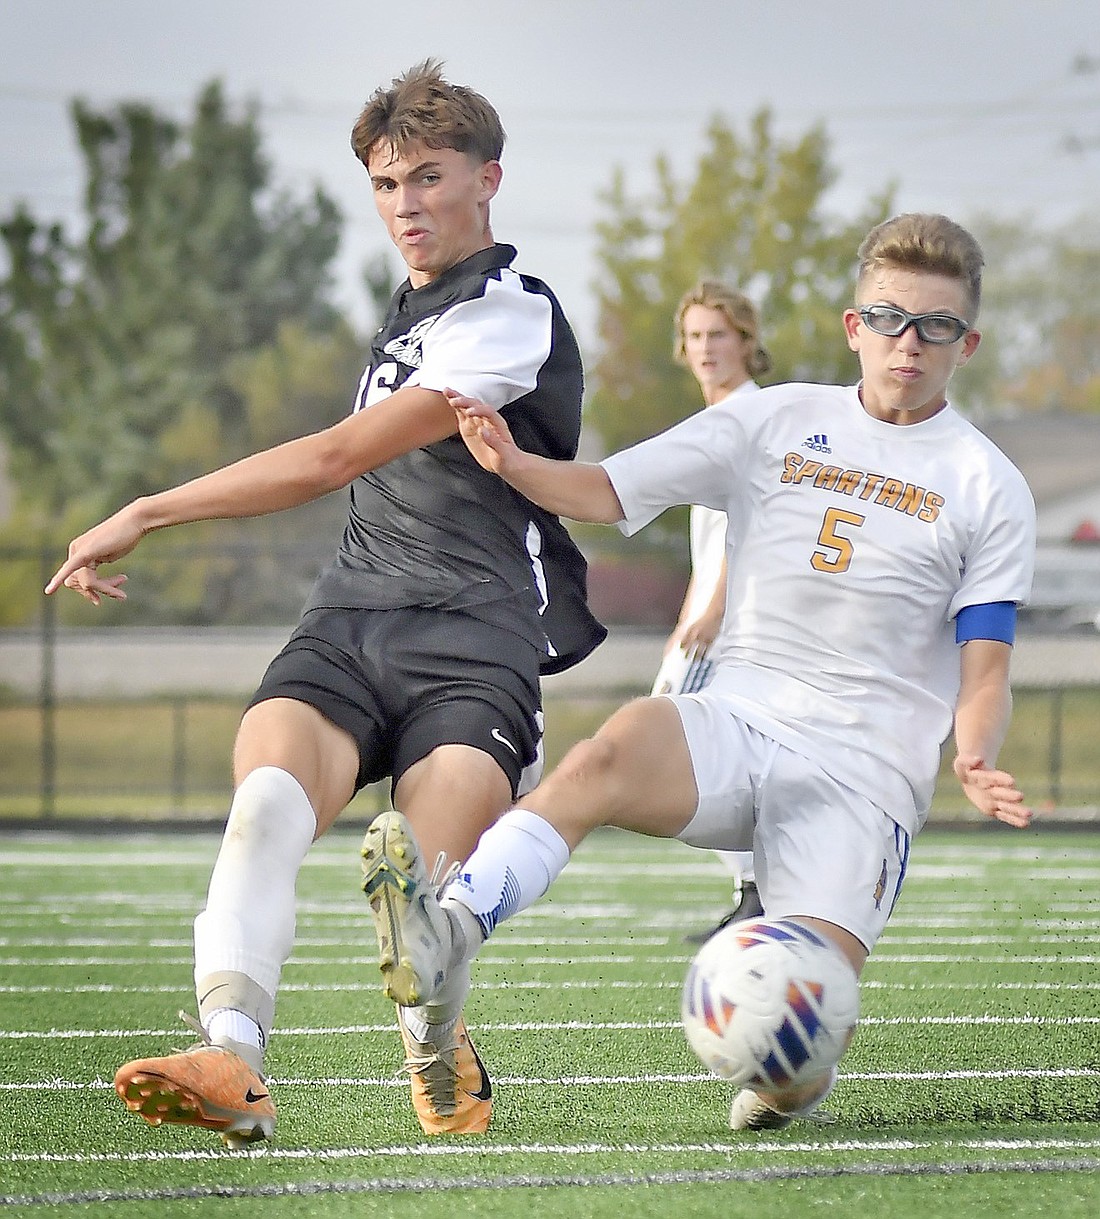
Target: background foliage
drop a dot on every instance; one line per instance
(187, 324)
(188, 320)
(752, 216)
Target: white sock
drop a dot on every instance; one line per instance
(433, 1021)
(227, 1024)
(248, 924)
(513, 865)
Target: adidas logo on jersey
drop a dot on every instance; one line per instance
(406, 348)
(818, 443)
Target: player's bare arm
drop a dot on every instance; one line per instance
(578, 490)
(697, 635)
(982, 715)
(286, 476)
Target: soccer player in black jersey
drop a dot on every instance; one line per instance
(419, 651)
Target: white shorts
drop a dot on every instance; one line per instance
(820, 848)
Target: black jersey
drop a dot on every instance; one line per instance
(432, 528)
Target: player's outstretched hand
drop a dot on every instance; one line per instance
(106, 542)
(992, 792)
(486, 434)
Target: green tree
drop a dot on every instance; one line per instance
(1040, 319)
(259, 569)
(752, 215)
(125, 348)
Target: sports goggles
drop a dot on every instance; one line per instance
(931, 327)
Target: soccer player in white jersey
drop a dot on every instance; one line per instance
(879, 547)
(718, 339)
(419, 651)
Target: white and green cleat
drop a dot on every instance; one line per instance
(414, 934)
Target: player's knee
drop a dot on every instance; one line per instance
(595, 761)
(263, 801)
(851, 948)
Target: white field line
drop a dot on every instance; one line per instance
(399, 1080)
(33, 904)
(437, 1150)
(1066, 937)
(563, 1026)
(916, 898)
(527, 1181)
(357, 919)
(915, 901)
(492, 959)
(105, 988)
(336, 850)
(926, 866)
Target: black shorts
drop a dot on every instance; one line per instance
(403, 681)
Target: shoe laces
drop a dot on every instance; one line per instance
(195, 1027)
(437, 1069)
(420, 1063)
(422, 1056)
(442, 872)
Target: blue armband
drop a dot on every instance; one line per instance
(993, 620)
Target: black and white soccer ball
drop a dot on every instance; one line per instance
(769, 1004)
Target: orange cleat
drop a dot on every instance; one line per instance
(451, 1092)
(207, 1085)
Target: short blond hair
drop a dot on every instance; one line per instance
(739, 311)
(924, 241)
(421, 107)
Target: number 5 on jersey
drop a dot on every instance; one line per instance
(835, 549)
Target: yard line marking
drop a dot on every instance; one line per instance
(1066, 936)
(866, 984)
(436, 1150)
(335, 849)
(298, 1189)
(489, 958)
(107, 988)
(900, 958)
(306, 941)
(1076, 931)
(562, 1026)
(354, 920)
(961, 940)
(950, 861)
(945, 1076)
(400, 1080)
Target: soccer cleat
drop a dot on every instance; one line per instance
(414, 933)
(451, 1092)
(750, 1112)
(207, 1085)
(746, 904)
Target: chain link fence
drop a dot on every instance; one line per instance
(136, 723)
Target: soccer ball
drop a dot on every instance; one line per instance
(769, 1004)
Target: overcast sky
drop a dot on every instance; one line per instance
(967, 105)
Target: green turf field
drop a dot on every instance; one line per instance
(972, 1089)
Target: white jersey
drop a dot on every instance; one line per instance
(707, 529)
(707, 547)
(852, 544)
